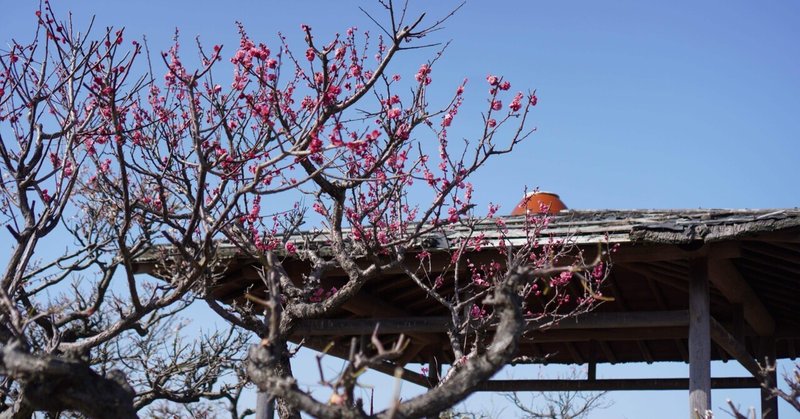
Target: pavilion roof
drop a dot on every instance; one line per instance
(754, 269)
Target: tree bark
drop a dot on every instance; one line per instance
(54, 384)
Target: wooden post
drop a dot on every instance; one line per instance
(699, 339)
(769, 405)
(434, 370)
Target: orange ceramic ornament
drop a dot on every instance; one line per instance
(539, 203)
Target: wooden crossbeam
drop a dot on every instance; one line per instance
(387, 326)
(423, 325)
(386, 367)
(627, 254)
(363, 304)
(727, 279)
(608, 335)
(611, 384)
(733, 347)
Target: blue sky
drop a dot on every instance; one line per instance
(677, 104)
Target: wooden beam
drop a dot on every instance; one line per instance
(434, 371)
(733, 347)
(699, 339)
(657, 274)
(348, 327)
(363, 304)
(611, 384)
(410, 353)
(607, 335)
(620, 320)
(407, 375)
(386, 367)
(425, 325)
(591, 369)
(648, 253)
(727, 279)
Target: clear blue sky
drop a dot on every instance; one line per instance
(679, 104)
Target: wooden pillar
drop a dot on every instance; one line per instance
(769, 405)
(699, 339)
(434, 371)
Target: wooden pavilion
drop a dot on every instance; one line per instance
(687, 285)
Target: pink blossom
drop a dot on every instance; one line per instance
(422, 74)
(515, 104)
(55, 160)
(315, 146)
(534, 100)
(402, 132)
(491, 123)
(599, 271)
(505, 85)
(447, 120)
(393, 113)
(492, 80)
(290, 248)
(497, 105)
(310, 54)
(372, 136)
(68, 170)
(476, 312)
(105, 165)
